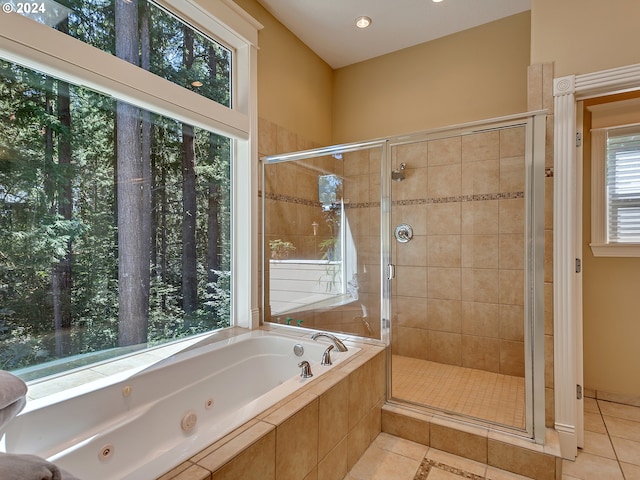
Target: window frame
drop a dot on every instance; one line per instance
(40, 47)
(600, 244)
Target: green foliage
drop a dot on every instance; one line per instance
(280, 249)
(34, 185)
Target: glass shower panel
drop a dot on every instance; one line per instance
(458, 324)
(321, 224)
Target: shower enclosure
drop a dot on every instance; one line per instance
(431, 243)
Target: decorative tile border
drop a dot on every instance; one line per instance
(415, 201)
(427, 464)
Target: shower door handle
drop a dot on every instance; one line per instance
(392, 272)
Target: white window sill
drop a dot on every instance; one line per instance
(615, 249)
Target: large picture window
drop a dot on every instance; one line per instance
(115, 184)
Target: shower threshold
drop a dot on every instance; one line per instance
(492, 397)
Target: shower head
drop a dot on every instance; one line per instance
(398, 173)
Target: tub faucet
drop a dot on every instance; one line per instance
(336, 341)
(306, 369)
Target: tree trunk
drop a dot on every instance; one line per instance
(189, 206)
(62, 281)
(133, 248)
(213, 222)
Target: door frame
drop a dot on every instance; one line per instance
(567, 245)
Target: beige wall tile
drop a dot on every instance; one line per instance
(521, 461)
(443, 251)
(356, 163)
(414, 215)
(286, 141)
(481, 177)
(444, 315)
(480, 285)
(297, 444)
(411, 342)
(334, 466)
(481, 146)
(443, 218)
(512, 142)
(445, 347)
(512, 215)
(413, 186)
(411, 311)
(406, 426)
(512, 322)
(411, 281)
(267, 137)
(480, 319)
(358, 440)
(480, 251)
(445, 151)
(482, 353)
(413, 154)
(480, 217)
(412, 253)
(257, 461)
(512, 287)
(358, 384)
(512, 174)
(459, 442)
(333, 419)
(444, 180)
(512, 251)
(444, 283)
(512, 358)
(548, 361)
(534, 87)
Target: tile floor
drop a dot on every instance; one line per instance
(477, 393)
(612, 443)
(611, 452)
(393, 458)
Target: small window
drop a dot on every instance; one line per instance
(616, 191)
(623, 185)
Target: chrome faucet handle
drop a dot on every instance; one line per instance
(306, 369)
(326, 356)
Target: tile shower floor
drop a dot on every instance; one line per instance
(489, 396)
(611, 452)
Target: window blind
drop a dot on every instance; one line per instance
(623, 184)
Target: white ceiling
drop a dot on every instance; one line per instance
(328, 26)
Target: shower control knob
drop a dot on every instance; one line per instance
(403, 233)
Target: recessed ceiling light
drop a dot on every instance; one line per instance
(437, 1)
(363, 22)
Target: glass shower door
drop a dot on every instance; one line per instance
(461, 340)
(321, 224)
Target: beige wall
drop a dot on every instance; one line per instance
(472, 75)
(582, 36)
(611, 307)
(294, 85)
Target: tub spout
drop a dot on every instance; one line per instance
(336, 341)
(306, 369)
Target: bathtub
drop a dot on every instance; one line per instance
(141, 426)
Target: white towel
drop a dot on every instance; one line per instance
(12, 389)
(30, 467)
(8, 413)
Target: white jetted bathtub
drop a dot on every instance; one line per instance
(144, 424)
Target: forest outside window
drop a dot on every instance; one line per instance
(146, 34)
(115, 219)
